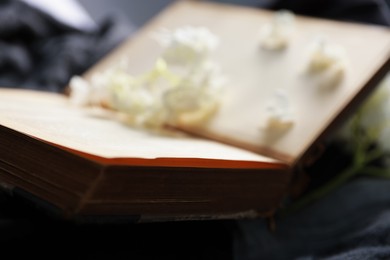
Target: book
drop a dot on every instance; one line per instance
(83, 163)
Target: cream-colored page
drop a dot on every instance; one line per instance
(52, 118)
(253, 74)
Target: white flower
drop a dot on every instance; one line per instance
(324, 55)
(187, 45)
(276, 34)
(373, 119)
(183, 86)
(279, 110)
(376, 114)
(80, 91)
(190, 104)
(326, 63)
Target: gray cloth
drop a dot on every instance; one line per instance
(39, 52)
(364, 11)
(351, 223)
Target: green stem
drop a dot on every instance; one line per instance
(363, 156)
(322, 191)
(376, 172)
(373, 155)
(360, 160)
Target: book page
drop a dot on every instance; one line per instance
(254, 74)
(96, 133)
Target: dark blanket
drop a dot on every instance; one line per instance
(364, 11)
(351, 223)
(38, 52)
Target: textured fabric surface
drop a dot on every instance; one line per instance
(38, 52)
(351, 223)
(364, 11)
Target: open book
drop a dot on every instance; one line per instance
(84, 163)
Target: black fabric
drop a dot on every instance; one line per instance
(351, 223)
(38, 52)
(364, 11)
(29, 233)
